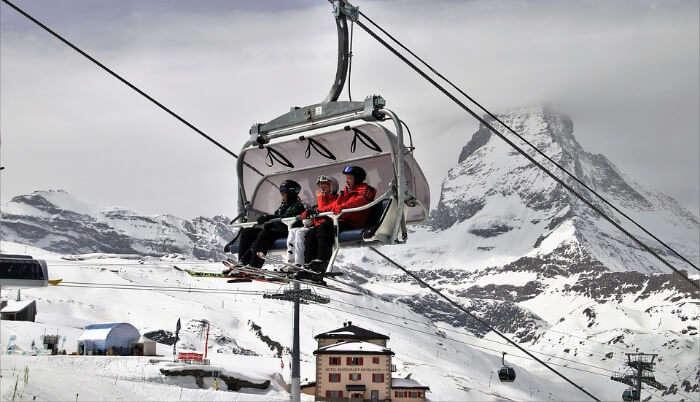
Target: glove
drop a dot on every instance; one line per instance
(264, 219)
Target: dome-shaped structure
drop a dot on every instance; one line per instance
(101, 338)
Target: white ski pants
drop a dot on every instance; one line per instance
(295, 245)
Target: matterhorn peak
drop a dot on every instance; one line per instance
(499, 201)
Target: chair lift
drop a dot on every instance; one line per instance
(506, 373)
(22, 271)
(322, 139)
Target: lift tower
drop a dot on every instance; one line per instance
(298, 296)
(642, 371)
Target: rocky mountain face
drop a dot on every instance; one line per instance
(56, 221)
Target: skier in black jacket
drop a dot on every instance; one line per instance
(257, 240)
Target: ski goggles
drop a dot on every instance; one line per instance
(323, 179)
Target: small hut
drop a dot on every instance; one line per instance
(143, 347)
(24, 310)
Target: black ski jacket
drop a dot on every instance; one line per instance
(288, 209)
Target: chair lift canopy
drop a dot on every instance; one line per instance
(303, 157)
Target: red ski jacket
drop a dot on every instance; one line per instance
(359, 195)
(324, 204)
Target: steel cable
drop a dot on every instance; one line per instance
(522, 152)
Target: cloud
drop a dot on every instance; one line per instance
(625, 71)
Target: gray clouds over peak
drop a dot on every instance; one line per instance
(625, 71)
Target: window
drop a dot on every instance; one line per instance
(354, 361)
(414, 394)
(375, 360)
(355, 376)
(22, 269)
(357, 396)
(333, 377)
(334, 394)
(377, 377)
(334, 361)
(38, 274)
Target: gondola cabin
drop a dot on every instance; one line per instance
(22, 271)
(630, 395)
(506, 374)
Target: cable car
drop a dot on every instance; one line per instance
(322, 139)
(506, 373)
(630, 394)
(22, 271)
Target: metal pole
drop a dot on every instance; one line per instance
(206, 342)
(1, 169)
(296, 383)
(639, 380)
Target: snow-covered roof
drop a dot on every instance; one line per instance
(354, 347)
(352, 332)
(100, 331)
(406, 383)
(16, 306)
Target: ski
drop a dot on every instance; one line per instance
(264, 272)
(232, 279)
(295, 268)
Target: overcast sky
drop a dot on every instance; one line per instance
(625, 71)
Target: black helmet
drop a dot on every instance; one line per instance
(290, 187)
(357, 172)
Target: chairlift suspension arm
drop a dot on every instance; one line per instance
(341, 24)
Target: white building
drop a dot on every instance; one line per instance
(143, 347)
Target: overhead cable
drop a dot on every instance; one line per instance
(127, 83)
(482, 322)
(521, 151)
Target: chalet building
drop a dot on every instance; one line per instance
(355, 364)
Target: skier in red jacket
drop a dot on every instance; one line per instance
(319, 240)
(326, 195)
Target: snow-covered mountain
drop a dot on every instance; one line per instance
(57, 221)
(505, 240)
(496, 204)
